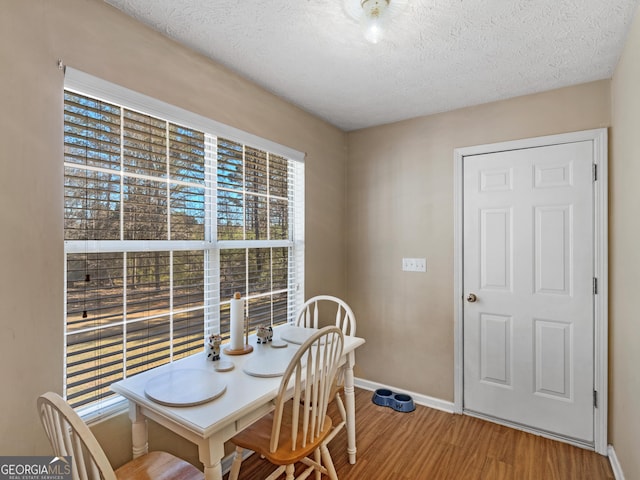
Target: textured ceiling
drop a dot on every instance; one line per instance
(437, 55)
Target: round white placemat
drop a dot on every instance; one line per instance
(184, 387)
(271, 364)
(297, 335)
(223, 366)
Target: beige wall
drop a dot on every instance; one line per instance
(624, 257)
(94, 37)
(400, 204)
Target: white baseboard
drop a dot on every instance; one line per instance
(615, 464)
(423, 400)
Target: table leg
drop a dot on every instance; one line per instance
(211, 452)
(350, 400)
(139, 433)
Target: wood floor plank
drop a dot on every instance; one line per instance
(502, 444)
(428, 444)
(494, 469)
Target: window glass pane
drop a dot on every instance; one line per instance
(278, 176)
(259, 311)
(279, 219)
(279, 306)
(94, 290)
(144, 144)
(256, 208)
(279, 268)
(230, 215)
(145, 209)
(148, 284)
(259, 260)
(256, 170)
(230, 165)
(147, 345)
(225, 320)
(186, 152)
(91, 205)
(94, 361)
(91, 132)
(233, 276)
(188, 333)
(188, 280)
(187, 212)
(269, 309)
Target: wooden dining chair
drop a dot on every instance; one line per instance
(70, 436)
(299, 425)
(309, 316)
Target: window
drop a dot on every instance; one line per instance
(164, 222)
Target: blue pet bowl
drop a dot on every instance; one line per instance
(382, 397)
(400, 402)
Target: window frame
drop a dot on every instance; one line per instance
(88, 85)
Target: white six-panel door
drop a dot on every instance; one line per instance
(528, 258)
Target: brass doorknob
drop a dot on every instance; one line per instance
(471, 298)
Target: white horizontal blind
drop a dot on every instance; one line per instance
(156, 242)
(256, 228)
(130, 177)
(88, 84)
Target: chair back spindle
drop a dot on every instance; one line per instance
(70, 436)
(309, 314)
(312, 371)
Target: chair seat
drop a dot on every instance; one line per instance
(158, 466)
(257, 437)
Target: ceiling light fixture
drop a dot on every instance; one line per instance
(373, 15)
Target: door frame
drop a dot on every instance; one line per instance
(600, 190)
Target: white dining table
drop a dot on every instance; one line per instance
(244, 398)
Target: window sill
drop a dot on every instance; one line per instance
(104, 410)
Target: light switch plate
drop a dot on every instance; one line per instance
(414, 264)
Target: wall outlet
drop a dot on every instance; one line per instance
(414, 264)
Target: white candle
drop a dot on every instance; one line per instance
(237, 322)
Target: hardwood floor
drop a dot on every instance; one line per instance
(429, 444)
